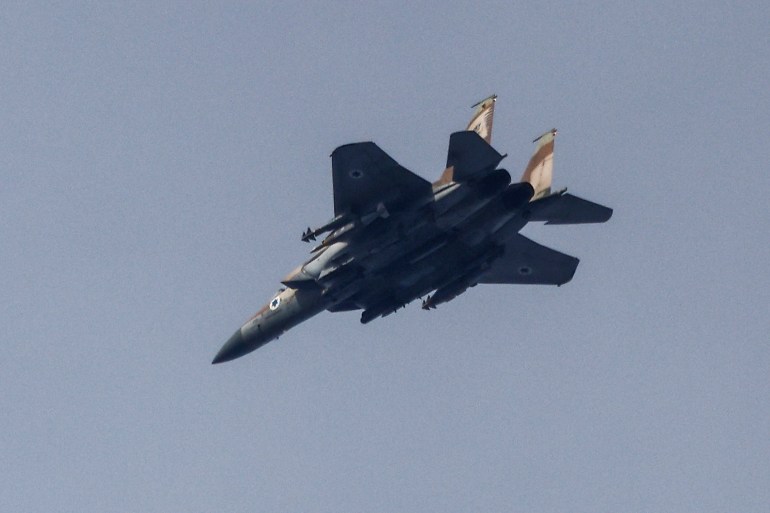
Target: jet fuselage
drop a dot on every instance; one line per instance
(396, 237)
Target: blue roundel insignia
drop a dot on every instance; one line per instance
(275, 303)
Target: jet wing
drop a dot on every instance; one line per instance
(527, 262)
(568, 209)
(364, 176)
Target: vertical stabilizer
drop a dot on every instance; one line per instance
(481, 122)
(539, 172)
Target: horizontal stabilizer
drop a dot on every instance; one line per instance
(568, 209)
(527, 262)
(470, 156)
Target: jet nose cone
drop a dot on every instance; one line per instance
(234, 348)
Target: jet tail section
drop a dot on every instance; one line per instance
(539, 171)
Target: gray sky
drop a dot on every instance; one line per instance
(158, 164)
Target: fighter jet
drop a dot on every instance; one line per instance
(396, 237)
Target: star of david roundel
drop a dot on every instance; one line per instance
(275, 303)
